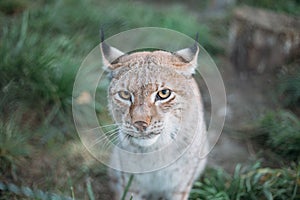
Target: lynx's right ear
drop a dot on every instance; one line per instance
(109, 55)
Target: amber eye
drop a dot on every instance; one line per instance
(163, 94)
(125, 95)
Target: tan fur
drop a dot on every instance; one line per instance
(177, 119)
(159, 57)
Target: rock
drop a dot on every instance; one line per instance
(261, 40)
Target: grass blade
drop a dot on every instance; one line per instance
(90, 190)
(127, 187)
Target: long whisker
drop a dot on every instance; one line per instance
(126, 138)
(114, 141)
(176, 145)
(107, 135)
(108, 125)
(113, 137)
(112, 130)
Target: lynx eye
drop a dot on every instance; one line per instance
(163, 94)
(125, 95)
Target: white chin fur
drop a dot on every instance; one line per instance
(145, 142)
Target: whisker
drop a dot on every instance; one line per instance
(107, 135)
(125, 138)
(110, 142)
(116, 141)
(109, 125)
(112, 130)
(176, 145)
(120, 141)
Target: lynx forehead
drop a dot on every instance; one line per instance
(161, 58)
(155, 102)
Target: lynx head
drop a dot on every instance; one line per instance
(149, 92)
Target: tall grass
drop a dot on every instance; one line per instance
(281, 128)
(13, 145)
(282, 133)
(251, 183)
(289, 89)
(43, 47)
(38, 69)
(12, 191)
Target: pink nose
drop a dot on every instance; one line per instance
(140, 125)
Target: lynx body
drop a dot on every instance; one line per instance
(156, 103)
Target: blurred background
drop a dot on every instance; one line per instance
(255, 44)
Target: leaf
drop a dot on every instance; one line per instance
(127, 187)
(90, 189)
(27, 192)
(268, 194)
(13, 188)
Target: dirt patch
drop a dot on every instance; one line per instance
(248, 98)
(69, 169)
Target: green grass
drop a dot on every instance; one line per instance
(251, 183)
(127, 188)
(11, 7)
(289, 89)
(14, 145)
(35, 67)
(281, 131)
(12, 191)
(41, 48)
(248, 182)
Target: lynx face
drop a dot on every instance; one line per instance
(149, 93)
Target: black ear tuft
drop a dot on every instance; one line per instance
(197, 37)
(102, 33)
(106, 51)
(109, 54)
(190, 55)
(194, 49)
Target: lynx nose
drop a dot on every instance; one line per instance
(141, 125)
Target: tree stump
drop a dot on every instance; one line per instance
(261, 40)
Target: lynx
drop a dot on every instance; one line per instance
(155, 102)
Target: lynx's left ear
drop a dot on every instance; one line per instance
(190, 57)
(109, 55)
